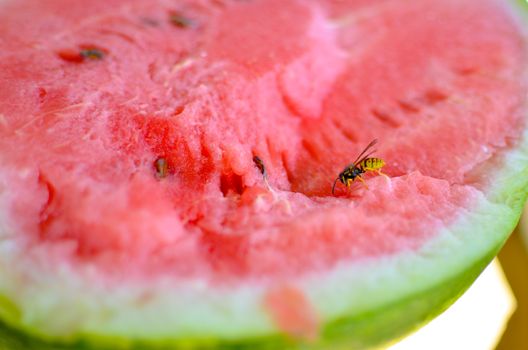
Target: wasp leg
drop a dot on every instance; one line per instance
(362, 181)
(383, 174)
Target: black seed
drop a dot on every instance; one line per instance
(92, 54)
(162, 168)
(181, 21)
(260, 165)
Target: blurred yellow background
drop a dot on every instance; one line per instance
(514, 260)
(492, 314)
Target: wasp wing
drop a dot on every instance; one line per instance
(365, 157)
(372, 143)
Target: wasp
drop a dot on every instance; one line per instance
(361, 165)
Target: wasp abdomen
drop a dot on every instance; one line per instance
(372, 164)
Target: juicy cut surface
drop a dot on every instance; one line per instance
(94, 96)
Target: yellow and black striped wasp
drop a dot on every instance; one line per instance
(361, 165)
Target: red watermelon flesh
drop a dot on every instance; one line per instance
(208, 85)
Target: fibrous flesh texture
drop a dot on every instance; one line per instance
(206, 86)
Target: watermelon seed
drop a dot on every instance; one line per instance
(346, 132)
(385, 118)
(408, 107)
(70, 56)
(86, 53)
(311, 149)
(42, 93)
(260, 165)
(92, 54)
(181, 21)
(178, 110)
(434, 96)
(46, 213)
(162, 168)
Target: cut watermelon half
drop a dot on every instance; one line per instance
(133, 214)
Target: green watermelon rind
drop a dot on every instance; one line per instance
(368, 315)
(425, 306)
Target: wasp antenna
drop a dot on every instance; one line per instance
(333, 187)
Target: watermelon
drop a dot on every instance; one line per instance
(166, 168)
